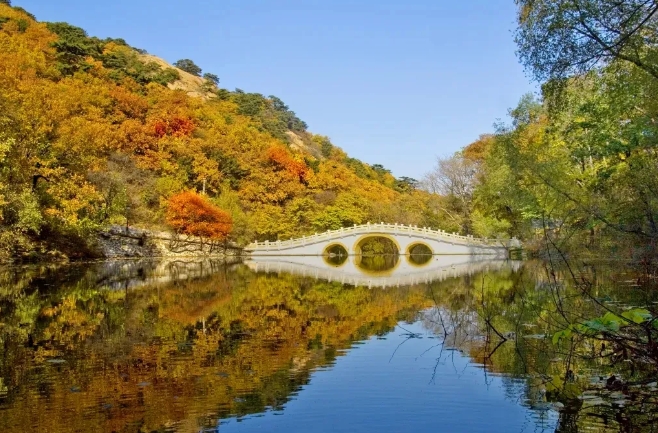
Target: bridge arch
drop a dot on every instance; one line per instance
(419, 247)
(335, 254)
(356, 248)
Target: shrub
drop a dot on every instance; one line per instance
(28, 213)
(22, 25)
(166, 76)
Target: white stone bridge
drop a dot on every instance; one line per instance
(404, 237)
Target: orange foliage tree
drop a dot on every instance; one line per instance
(281, 157)
(176, 126)
(191, 214)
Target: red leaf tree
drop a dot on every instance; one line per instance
(191, 214)
(176, 127)
(282, 158)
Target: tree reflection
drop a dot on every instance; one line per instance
(335, 255)
(117, 348)
(230, 343)
(378, 263)
(420, 254)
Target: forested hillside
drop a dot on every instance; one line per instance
(95, 132)
(577, 166)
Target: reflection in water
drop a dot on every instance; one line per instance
(377, 262)
(402, 273)
(335, 255)
(419, 254)
(420, 250)
(188, 346)
(420, 259)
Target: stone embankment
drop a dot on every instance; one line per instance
(118, 241)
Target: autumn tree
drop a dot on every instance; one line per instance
(280, 157)
(479, 149)
(191, 214)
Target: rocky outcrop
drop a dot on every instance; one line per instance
(118, 241)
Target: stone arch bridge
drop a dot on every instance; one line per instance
(404, 237)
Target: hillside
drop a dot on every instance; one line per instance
(95, 132)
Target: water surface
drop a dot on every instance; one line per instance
(281, 345)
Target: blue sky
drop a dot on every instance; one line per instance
(392, 82)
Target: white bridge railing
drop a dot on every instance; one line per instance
(393, 229)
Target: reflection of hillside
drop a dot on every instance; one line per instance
(110, 274)
(80, 355)
(170, 354)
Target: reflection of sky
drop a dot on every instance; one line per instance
(395, 384)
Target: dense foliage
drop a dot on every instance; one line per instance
(95, 132)
(578, 165)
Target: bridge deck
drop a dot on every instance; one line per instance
(382, 228)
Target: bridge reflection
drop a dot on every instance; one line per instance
(404, 271)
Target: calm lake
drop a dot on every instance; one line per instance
(446, 343)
